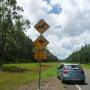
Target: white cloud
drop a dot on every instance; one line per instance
(74, 22)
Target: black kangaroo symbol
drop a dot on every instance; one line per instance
(42, 26)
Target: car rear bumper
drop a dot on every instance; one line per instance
(73, 78)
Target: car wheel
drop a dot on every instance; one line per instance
(63, 81)
(82, 81)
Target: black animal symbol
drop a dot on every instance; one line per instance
(43, 27)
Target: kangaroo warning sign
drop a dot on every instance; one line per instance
(41, 26)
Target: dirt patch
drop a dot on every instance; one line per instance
(50, 84)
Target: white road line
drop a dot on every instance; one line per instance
(78, 87)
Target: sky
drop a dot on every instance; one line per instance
(69, 22)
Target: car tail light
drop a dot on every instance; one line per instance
(65, 70)
(82, 72)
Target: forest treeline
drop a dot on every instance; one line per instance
(15, 46)
(81, 56)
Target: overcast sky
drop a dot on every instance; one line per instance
(69, 22)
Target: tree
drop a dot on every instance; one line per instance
(81, 56)
(11, 22)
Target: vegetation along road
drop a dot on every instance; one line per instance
(23, 76)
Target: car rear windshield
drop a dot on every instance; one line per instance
(72, 66)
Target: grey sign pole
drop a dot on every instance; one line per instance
(40, 75)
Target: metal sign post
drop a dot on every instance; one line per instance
(39, 74)
(40, 43)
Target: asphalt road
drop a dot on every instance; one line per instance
(77, 86)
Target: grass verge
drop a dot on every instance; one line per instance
(87, 66)
(15, 75)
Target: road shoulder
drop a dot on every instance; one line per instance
(49, 84)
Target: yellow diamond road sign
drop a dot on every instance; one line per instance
(40, 42)
(41, 26)
(40, 55)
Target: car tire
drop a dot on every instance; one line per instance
(82, 81)
(63, 81)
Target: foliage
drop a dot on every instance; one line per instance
(15, 46)
(81, 56)
(87, 66)
(51, 57)
(12, 25)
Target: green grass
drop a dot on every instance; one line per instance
(50, 72)
(87, 66)
(15, 75)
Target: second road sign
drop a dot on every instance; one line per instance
(40, 42)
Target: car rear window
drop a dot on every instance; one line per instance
(72, 66)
